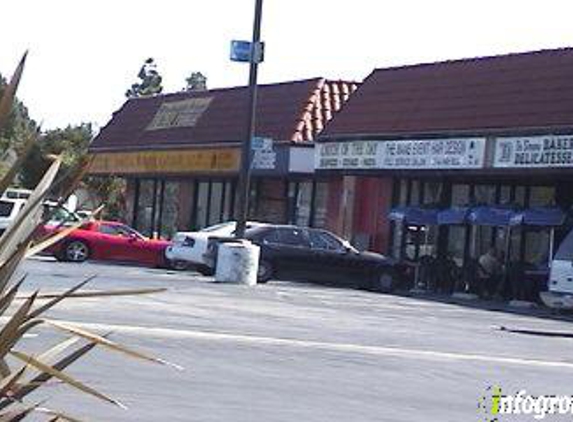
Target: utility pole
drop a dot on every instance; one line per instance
(245, 170)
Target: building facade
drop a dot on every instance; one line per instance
(493, 132)
(180, 154)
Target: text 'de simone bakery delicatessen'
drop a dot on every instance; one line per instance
(538, 151)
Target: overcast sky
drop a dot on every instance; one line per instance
(85, 54)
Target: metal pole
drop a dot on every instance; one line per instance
(245, 171)
(551, 246)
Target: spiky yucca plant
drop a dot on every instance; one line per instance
(22, 373)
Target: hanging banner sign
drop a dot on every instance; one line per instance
(534, 151)
(464, 153)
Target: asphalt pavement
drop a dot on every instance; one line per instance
(290, 351)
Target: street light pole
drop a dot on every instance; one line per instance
(245, 170)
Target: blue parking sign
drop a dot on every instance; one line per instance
(241, 51)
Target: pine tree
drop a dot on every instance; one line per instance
(150, 81)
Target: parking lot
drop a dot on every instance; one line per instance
(289, 352)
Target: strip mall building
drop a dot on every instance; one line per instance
(180, 154)
(493, 131)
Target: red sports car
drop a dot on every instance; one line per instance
(109, 241)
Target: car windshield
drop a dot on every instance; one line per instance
(61, 215)
(6, 208)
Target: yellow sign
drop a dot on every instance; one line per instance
(172, 162)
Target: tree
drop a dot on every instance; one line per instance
(150, 81)
(72, 143)
(196, 82)
(18, 128)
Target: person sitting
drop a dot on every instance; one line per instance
(490, 271)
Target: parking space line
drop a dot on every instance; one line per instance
(394, 352)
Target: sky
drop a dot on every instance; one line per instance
(83, 55)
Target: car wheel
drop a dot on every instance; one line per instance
(265, 272)
(384, 282)
(76, 251)
(205, 270)
(179, 265)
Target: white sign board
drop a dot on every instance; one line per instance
(534, 151)
(460, 153)
(264, 160)
(264, 155)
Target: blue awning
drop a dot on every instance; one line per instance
(491, 216)
(453, 216)
(414, 215)
(540, 216)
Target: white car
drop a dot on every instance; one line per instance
(11, 205)
(188, 248)
(9, 209)
(560, 293)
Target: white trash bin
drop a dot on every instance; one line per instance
(237, 262)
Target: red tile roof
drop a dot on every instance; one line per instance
(516, 91)
(289, 112)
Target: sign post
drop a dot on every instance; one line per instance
(245, 172)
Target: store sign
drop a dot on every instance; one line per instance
(161, 162)
(534, 151)
(408, 154)
(264, 155)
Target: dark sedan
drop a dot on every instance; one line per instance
(317, 255)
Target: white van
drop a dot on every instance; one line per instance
(560, 294)
(9, 209)
(11, 206)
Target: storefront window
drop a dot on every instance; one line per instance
(403, 192)
(537, 247)
(541, 196)
(460, 195)
(201, 205)
(515, 247)
(228, 205)
(481, 240)
(145, 206)
(169, 210)
(433, 193)
(484, 194)
(505, 194)
(415, 193)
(303, 202)
(456, 243)
(519, 196)
(215, 203)
(500, 241)
(320, 204)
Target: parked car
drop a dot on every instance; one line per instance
(14, 200)
(560, 286)
(188, 248)
(108, 241)
(316, 255)
(9, 209)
